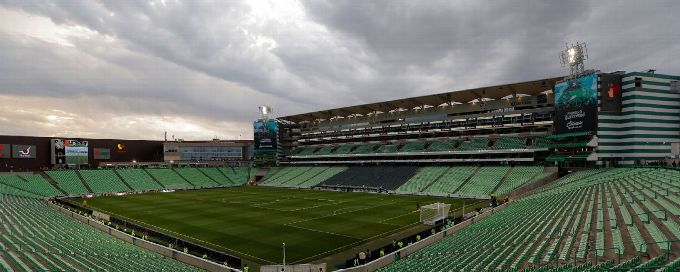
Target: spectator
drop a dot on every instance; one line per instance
(382, 252)
(362, 257)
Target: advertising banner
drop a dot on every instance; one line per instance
(69, 151)
(576, 105)
(101, 153)
(5, 151)
(266, 135)
(610, 93)
(23, 151)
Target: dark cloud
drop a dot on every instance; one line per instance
(218, 60)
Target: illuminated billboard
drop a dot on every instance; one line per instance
(68, 151)
(23, 151)
(576, 105)
(101, 153)
(266, 135)
(610, 93)
(5, 151)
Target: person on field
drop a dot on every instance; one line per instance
(362, 257)
(382, 252)
(418, 238)
(246, 268)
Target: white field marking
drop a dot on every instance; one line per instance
(388, 219)
(324, 232)
(189, 237)
(334, 213)
(385, 234)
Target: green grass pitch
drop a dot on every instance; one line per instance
(252, 222)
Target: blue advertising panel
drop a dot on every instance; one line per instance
(576, 105)
(266, 134)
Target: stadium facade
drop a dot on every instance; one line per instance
(29, 153)
(599, 118)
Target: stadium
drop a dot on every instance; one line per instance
(504, 164)
(557, 174)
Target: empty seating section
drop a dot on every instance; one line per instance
(238, 175)
(440, 146)
(344, 149)
(168, 178)
(540, 142)
(322, 176)
(35, 237)
(364, 148)
(306, 151)
(484, 181)
(287, 175)
(413, 147)
(509, 143)
(562, 225)
(386, 177)
(30, 183)
(138, 179)
(68, 181)
(324, 150)
(103, 181)
(216, 175)
(451, 180)
(474, 144)
(195, 177)
(518, 176)
(423, 178)
(458, 145)
(386, 149)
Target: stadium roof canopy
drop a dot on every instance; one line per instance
(534, 87)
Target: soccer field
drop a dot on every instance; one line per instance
(252, 222)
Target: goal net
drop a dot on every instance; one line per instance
(430, 214)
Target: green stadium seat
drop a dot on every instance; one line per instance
(69, 181)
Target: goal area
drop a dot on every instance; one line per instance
(430, 214)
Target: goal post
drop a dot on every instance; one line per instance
(430, 214)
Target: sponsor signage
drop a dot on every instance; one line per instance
(576, 105)
(101, 153)
(266, 135)
(23, 151)
(5, 151)
(610, 93)
(121, 148)
(69, 151)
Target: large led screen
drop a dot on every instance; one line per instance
(576, 105)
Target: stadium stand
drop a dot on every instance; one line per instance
(168, 178)
(387, 149)
(69, 181)
(238, 175)
(324, 150)
(423, 178)
(216, 175)
(518, 176)
(42, 239)
(35, 184)
(413, 146)
(484, 181)
(451, 179)
(474, 144)
(364, 149)
(439, 146)
(138, 179)
(322, 176)
(103, 181)
(344, 149)
(195, 177)
(579, 219)
(509, 143)
(386, 177)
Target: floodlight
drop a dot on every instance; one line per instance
(265, 109)
(573, 56)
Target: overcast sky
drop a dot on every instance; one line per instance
(199, 69)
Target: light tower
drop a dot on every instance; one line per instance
(574, 56)
(265, 111)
